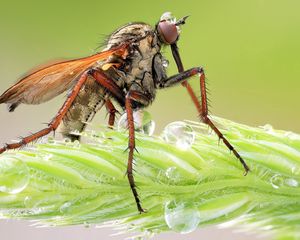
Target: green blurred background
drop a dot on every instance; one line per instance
(250, 50)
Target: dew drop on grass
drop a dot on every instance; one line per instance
(292, 136)
(28, 202)
(173, 174)
(76, 144)
(180, 134)
(181, 216)
(45, 156)
(51, 140)
(86, 224)
(65, 207)
(142, 122)
(14, 175)
(67, 140)
(268, 128)
(276, 181)
(291, 182)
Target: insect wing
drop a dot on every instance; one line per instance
(50, 81)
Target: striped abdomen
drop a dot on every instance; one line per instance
(89, 100)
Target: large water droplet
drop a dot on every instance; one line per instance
(276, 181)
(142, 122)
(182, 217)
(180, 134)
(14, 175)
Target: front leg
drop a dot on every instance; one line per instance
(133, 96)
(202, 108)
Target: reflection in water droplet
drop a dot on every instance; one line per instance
(142, 122)
(14, 175)
(180, 134)
(173, 174)
(181, 217)
(276, 181)
(291, 182)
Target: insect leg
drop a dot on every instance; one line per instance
(202, 108)
(108, 84)
(112, 112)
(52, 126)
(133, 96)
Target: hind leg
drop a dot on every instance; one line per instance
(107, 83)
(52, 126)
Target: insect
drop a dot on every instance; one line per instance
(128, 72)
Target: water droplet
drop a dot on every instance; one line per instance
(142, 122)
(295, 170)
(51, 140)
(76, 144)
(65, 207)
(14, 175)
(180, 134)
(267, 128)
(173, 174)
(75, 133)
(165, 63)
(292, 136)
(44, 156)
(276, 181)
(86, 224)
(291, 182)
(181, 217)
(67, 140)
(28, 203)
(167, 16)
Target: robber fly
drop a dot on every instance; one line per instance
(128, 71)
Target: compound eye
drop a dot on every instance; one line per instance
(167, 31)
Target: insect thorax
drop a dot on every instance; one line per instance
(142, 69)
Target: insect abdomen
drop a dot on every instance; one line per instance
(89, 100)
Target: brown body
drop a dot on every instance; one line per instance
(129, 71)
